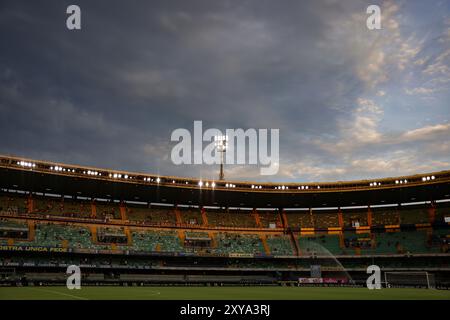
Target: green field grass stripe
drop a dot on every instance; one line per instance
(218, 293)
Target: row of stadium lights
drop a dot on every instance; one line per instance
(374, 184)
(148, 179)
(119, 176)
(377, 184)
(26, 164)
(200, 183)
(299, 188)
(58, 168)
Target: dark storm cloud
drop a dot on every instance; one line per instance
(110, 94)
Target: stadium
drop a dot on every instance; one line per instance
(209, 153)
(141, 236)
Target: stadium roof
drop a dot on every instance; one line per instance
(57, 178)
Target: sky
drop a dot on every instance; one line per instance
(350, 103)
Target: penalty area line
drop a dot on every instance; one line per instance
(61, 293)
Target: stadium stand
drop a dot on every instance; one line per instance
(355, 218)
(385, 216)
(320, 244)
(234, 219)
(58, 236)
(325, 219)
(280, 245)
(154, 216)
(191, 217)
(442, 211)
(155, 241)
(402, 242)
(12, 229)
(77, 208)
(13, 204)
(440, 240)
(106, 210)
(269, 218)
(300, 219)
(360, 243)
(414, 215)
(238, 243)
(118, 240)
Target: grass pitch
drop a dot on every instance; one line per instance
(218, 293)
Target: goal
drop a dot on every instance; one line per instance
(418, 279)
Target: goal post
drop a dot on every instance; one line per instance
(418, 279)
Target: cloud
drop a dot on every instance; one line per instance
(420, 90)
(426, 133)
(344, 97)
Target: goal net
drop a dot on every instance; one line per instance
(418, 279)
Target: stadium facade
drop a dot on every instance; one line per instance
(127, 228)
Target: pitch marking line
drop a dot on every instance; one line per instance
(61, 293)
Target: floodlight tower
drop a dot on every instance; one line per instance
(221, 146)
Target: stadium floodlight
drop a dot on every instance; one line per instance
(158, 180)
(213, 184)
(200, 183)
(26, 164)
(221, 143)
(433, 177)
